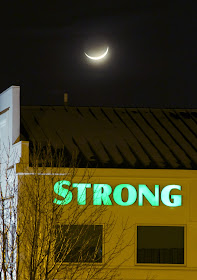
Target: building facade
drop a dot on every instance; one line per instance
(103, 193)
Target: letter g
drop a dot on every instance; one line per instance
(165, 196)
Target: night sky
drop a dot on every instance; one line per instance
(152, 53)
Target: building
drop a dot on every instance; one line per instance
(129, 174)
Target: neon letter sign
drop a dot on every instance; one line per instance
(66, 194)
(81, 194)
(102, 192)
(132, 194)
(165, 196)
(144, 191)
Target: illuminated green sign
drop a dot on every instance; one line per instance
(102, 192)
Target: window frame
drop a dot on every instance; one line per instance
(88, 263)
(162, 264)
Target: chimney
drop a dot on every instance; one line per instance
(65, 99)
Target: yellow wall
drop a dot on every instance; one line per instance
(185, 215)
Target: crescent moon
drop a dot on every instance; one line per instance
(98, 57)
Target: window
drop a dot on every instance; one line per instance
(160, 244)
(79, 243)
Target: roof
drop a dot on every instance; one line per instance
(116, 137)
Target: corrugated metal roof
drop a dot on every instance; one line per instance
(116, 137)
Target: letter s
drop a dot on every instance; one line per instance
(66, 194)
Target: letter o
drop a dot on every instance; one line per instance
(132, 194)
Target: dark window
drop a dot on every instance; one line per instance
(79, 243)
(160, 244)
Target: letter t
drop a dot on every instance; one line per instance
(81, 194)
